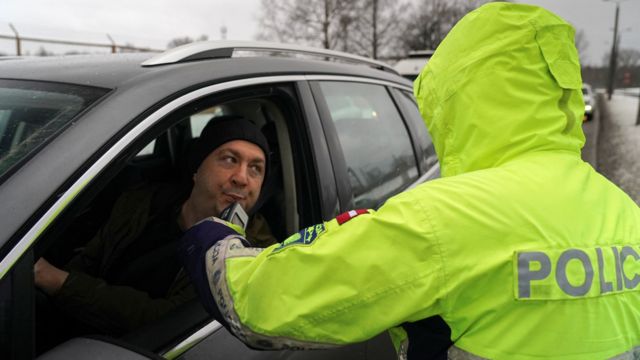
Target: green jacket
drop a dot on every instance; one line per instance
(522, 248)
(127, 275)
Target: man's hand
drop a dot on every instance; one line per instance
(48, 277)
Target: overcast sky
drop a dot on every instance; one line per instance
(154, 23)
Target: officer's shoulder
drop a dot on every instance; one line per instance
(463, 185)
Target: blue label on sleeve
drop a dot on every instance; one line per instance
(303, 237)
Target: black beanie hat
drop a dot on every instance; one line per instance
(222, 129)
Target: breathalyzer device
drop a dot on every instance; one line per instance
(235, 214)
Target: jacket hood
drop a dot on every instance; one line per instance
(503, 83)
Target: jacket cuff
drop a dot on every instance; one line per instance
(76, 290)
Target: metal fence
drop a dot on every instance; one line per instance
(112, 45)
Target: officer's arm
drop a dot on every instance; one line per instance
(340, 282)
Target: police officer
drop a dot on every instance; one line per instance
(522, 248)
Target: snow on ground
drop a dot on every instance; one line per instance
(630, 91)
(619, 142)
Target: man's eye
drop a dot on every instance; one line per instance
(229, 159)
(256, 170)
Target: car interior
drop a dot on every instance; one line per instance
(159, 156)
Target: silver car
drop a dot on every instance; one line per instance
(589, 102)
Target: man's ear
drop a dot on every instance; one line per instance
(193, 177)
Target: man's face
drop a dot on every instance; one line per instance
(231, 173)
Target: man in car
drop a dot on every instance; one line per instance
(522, 248)
(128, 275)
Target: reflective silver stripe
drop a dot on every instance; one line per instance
(27, 240)
(216, 266)
(191, 341)
(403, 350)
(616, 254)
(605, 286)
(629, 283)
(561, 272)
(633, 354)
(525, 275)
(455, 353)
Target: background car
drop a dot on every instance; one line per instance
(75, 132)
(590, 102)
(411, 66)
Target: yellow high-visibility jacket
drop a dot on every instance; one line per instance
(522, 248)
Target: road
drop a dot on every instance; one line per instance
(591, 132)
(618, 142)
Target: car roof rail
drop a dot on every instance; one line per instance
(225, 48)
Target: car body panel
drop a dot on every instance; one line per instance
(87, 348)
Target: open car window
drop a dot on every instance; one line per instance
(157, 161)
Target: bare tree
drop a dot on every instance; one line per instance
(628, 58)
(625, 58)
(274, 21)
(375, 28)
(581, 42)
(627, 67)
(313, 22)
(185, 40)
(431, 20)
(378, 26)
(629, 64)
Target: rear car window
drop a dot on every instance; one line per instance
(427, 155)
(197, 123)
(32, 113)
(376, 145)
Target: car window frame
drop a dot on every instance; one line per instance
(107, 155)
(426, 172)
(345, 192)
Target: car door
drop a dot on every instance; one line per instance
(316, 201)
(189, 333)
(32, 114)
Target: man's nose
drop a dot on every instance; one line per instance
(240, 175)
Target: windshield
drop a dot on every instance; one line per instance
(31, 113)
